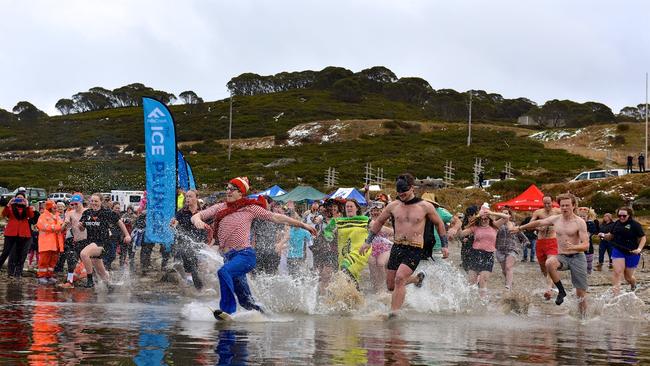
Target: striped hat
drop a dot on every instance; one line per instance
(241, 183)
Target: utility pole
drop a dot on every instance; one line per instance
(469, 130)
(645, 155)
(230, 129)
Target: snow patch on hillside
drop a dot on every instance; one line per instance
(554, 135)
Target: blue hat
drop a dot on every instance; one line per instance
(77, 198)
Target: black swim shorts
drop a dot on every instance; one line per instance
(404, 254)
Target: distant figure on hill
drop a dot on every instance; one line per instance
(481, 179)
(630, 163)
(641, 163)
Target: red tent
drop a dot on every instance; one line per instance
(530, 200)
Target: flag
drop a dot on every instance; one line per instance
(160, 164)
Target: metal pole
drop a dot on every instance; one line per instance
(469, 130)
(646, 117)
(230, 129)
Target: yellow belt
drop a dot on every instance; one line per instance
(409, 243)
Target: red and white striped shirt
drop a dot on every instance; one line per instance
(235, 229)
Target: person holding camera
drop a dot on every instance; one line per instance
(17, 234)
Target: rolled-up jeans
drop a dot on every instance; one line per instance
(532, 250)
(232, 280)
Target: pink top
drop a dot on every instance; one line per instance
(235, 229)
(485, 238)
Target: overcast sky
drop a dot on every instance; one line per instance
(578, 50)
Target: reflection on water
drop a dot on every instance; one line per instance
(47, 326)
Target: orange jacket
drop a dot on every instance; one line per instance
(50, 233)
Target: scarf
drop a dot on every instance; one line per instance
(232, 207)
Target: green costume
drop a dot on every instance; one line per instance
(352, 233)
(446, 218)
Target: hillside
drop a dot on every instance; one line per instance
(287, 137)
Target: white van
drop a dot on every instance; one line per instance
(599, 174)
(127, 198)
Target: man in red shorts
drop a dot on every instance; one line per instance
(546, 246)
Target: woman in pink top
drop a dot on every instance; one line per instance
(481, 255)
(232, 229)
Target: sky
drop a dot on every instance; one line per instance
(547, 49)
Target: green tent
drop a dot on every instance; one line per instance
(301, 193)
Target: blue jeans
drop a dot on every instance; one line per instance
(604, 247)
(232, 280)
(532, 250)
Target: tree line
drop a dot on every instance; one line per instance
(441, 104)
(350, 87)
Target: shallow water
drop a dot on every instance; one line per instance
(445, 323)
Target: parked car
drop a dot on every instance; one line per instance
(33, 195)
(599, 174)
(60, 197)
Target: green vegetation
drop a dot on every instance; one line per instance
(423, 154)
(603, 203)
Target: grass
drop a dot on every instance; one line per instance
(252, 117)
(423, 154)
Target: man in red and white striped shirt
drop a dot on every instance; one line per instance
(232, 228)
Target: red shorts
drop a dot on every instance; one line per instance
(545, 248)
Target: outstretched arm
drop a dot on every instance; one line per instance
(286, 220)
(537, 223)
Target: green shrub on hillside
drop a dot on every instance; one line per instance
(603, 203)
(621, 127)
(510, 188)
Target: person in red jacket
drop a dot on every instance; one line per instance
(50, 242)
(17, 234)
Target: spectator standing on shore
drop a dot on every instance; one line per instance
(532, 239)
(50, 242)
(17, 234)
(605, 245)
(641, 163)
(630, 163)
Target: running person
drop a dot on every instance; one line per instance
(189, 238)
(232, 228)
(546, 244)
(573, 240)
(96, 221)
(409, 215)
(381, 246)
(508, 246)
(352, 231)
(78, 239)
(628, 239)
(481, 254)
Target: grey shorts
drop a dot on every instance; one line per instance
(501, 256)
(577, 264)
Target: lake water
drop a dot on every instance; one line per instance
(445, 323)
